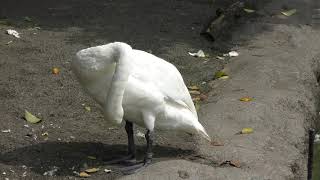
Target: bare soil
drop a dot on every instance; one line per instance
(168, 29)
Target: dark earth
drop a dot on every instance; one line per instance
(168, 29)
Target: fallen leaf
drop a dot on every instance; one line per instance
(195, 99)
(203, 97)
(55, 70)
(193, 87)
(219, 57)
(13, 33)
(220, 74)
(233, 54)
(246, 131)
(91, 157)
(6, 131)
(289, 12)
(87, 108)
(45, 134)
(224, 77)
(235, 163)
(92, 170)
(249, 10)
(31, 118)
(107, 170)
(84, 174)
(200, 53)
(9, 42)
(246, 99)
(216, 143)
(194, 92)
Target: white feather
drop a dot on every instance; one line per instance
(137, 86)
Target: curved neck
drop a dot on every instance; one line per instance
(113, 110)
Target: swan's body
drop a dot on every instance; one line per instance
(138, 87)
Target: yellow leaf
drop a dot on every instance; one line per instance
(193, 87)
(220, 74)
(92, 170)
(87, 108)
(289, 12)
(84, 174)
(194, 92)
(246, 131)
(224, 77)
(31, 118)
(55, 70)
(249, 10)
(246, 99)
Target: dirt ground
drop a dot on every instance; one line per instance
(169, 29)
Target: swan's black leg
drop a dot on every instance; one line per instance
(149, 138)
(130, 158)
(131, 145)
(148, 157)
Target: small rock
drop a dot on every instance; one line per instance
(183, 174)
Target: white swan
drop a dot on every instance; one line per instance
(137, 87)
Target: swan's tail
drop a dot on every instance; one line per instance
(202, 131)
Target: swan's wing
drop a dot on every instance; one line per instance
(164, 76)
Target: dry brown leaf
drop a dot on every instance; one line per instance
(203, 97)
(195, 99)
(193, 88)
(92, 170)
(194, 92)
(55, 70)
(235, 163)
(289, 12)
(217, 143)
(84, 174)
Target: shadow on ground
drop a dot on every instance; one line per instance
(72, 156)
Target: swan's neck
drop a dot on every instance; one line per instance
(113, 107)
